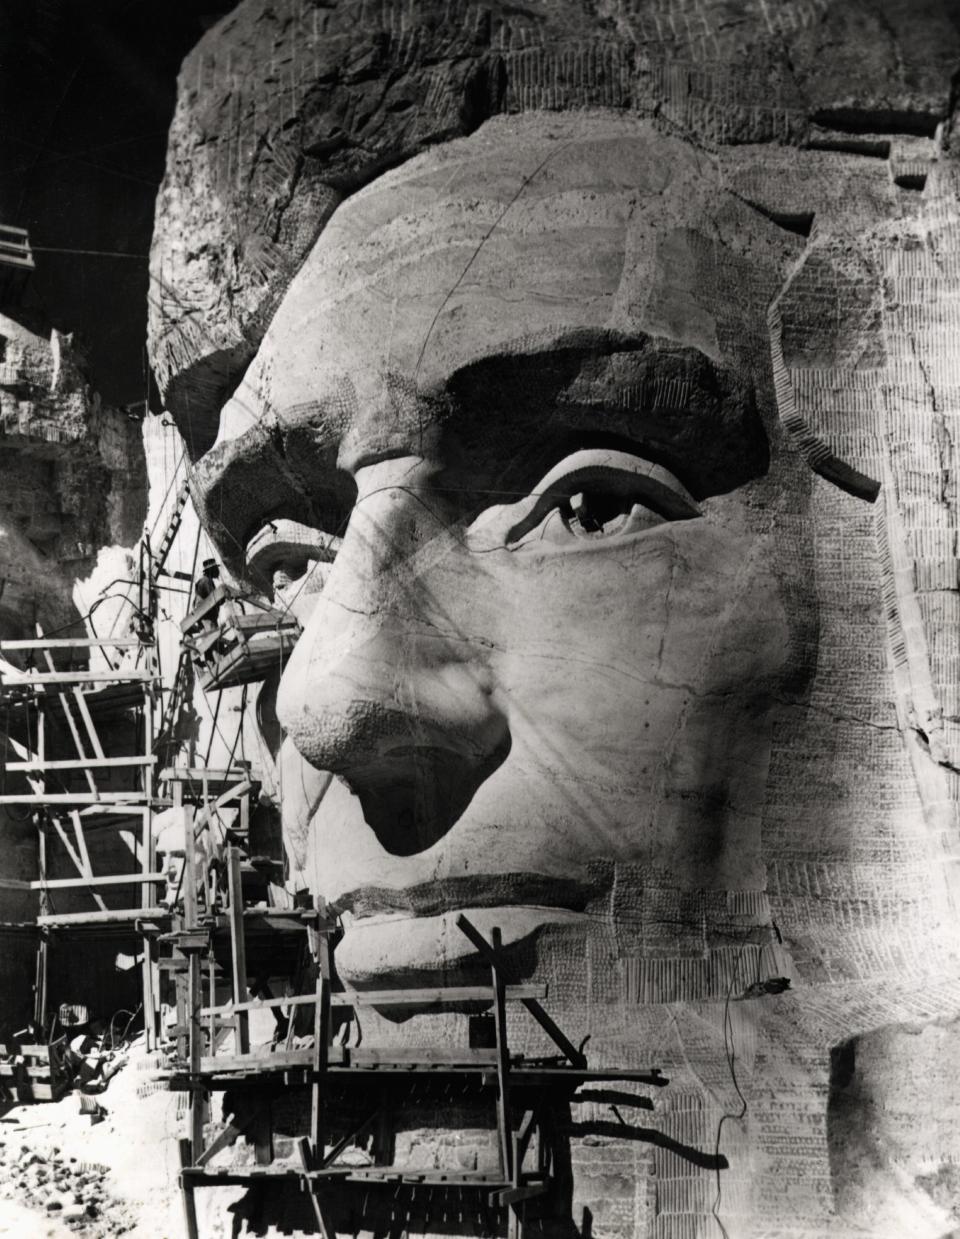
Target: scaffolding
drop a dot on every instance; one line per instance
(54, 711)
(377, 1081)
(236, 639)
(16, 263)
(81, 718)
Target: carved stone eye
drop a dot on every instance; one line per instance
(596, 513)
(282, 552)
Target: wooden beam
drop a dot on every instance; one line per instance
(80, 858)
(186, 1190)
(67, 643)
(113, 879)
(220, 595)
(87, 718)
(68, 715)
(196, 774)
(546, 1023)
(390, 998)
(409, 1056)
(321, 1045)
(264, 623)
(503, 1064)
(238, 949)
(306, 1162)
(127, 812)
(230, 1135)
(211, 807)
(350, 1138)
(148, 861)
(514, 1195)
(113, 916)
(280, 1060)
(76, 677)
(133, 799)
(85, 763)
(194, 984)
(261, 1131)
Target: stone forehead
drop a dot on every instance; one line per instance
(284, 110)
(530, 229)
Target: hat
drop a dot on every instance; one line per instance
(210, 563)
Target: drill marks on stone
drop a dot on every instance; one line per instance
(920, 322)
(725, 970)
(595, 74)
(810, 446)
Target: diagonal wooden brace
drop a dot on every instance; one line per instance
(494, 959)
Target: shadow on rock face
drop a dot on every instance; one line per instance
(891, 1130)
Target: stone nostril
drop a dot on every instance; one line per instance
(412, 797)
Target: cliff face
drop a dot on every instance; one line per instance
(72, 476)
(789, 232)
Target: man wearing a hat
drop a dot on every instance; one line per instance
(204, 586)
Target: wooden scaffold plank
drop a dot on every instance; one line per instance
(82, 763)
(451, 995)
(106, 676)
(89, 881)
(70, 643)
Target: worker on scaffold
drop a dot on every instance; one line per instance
(204, 587)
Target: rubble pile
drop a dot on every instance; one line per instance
(72, 1191)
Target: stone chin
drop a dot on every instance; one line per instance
(380, 951)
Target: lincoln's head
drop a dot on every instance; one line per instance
(510, 452)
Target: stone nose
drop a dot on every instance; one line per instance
(386, 685)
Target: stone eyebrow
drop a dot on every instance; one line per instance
(241, 483)
(671, 402)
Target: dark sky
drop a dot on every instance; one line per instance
(87, 92)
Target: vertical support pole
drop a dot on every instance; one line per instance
(194, 984)
(180, 977)
(40, 982)
(186, 1191)
(503, 1063)
(383, 1136)
(321, 1042)
(42, 816)
(148, 852)
(262, 1130)
(42, 739)
(212, 1001)
(43, 947)
(40, 991)
(306, 1164)
(238, 948)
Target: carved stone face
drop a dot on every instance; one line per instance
(509, 452)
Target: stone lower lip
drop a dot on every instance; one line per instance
(402, 946)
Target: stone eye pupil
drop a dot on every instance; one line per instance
(591, 511)
(287, 571)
